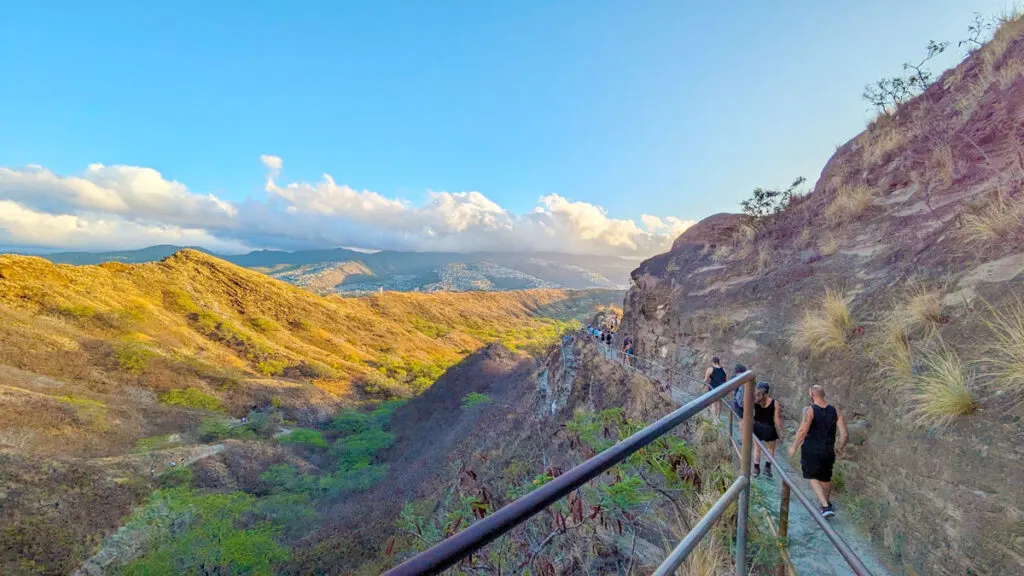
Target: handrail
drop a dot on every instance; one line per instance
(449, 551)
(855, 563)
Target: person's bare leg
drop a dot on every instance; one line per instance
(771, 448)
(826, 487)
(714, 410)
(819, 491)
(757, 454)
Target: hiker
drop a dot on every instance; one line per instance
(737, 396)
(767, 423)
(816, 438)
(715, 377)
(630, 358)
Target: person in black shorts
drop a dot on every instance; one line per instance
(715, 377)
(816, 438)
(767, 423)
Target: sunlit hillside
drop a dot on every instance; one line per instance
(193, 331)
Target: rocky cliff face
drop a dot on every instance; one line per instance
(917, 225)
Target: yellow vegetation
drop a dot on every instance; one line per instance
(882, 138)
(1005, 351)
(824, 328)
(919, 312)
(848, 202)
(998, 220)
(828, 246)
(201, 327)
(942, 390)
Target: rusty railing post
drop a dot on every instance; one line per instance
(743, 506)
(780, 570)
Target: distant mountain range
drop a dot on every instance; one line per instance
(353, 272)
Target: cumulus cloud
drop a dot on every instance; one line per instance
(127, 206)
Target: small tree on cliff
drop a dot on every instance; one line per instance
(764, 203)
(888, 94)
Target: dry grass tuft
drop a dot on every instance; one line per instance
(896, 359)
(885, 137)
(1005, 351)
(942, 391)
(849, 201)
(921, 312)
(999, 220)
(945, 163)
(825, 328)
(764, 259)
(829, 245)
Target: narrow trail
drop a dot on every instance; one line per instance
(810, 551)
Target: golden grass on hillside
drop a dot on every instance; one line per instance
(848, 202)
(896, 359)
(196, 322)
(1004, 352)
(999, 220)
(920, 312)
(942, 390)
(883, 137)
(945, 163)
(825, 327)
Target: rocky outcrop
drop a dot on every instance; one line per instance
(895, 213)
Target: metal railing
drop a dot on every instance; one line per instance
(671, 377)
(451, 550)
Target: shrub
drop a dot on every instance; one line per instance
(175, 477)
(350, 421)
(942, 390)
(77, 312)
(261, 324)
(474, 399)
(272, 367)
(847, 204)
(824, 328)
(888, 94)
(305, 437)
(132, 357)
(214, 430)
(180, 301)
(191, 398)
(896, 359)
(358, 450)
(828, 246)
(377, 384)
(217, 532)
(765, 203)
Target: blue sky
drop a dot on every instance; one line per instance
(663, 108)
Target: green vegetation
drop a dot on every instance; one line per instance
(764, 204)
(272, 367)
(262, 325)
(304, 437)
(212, 534)
(474, 399)
(132, 357)
(191, 398)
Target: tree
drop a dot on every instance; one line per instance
(977, 30)
(888, 94)
(765, 203)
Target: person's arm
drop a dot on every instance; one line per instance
(801, 433)
(707, 376)
(844, 436)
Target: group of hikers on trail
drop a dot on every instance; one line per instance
(607, 337)
(816, 436)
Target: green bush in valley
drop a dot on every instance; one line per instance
(475, 399)
(304, 437)
(132, 357)
(176, 477)
(191, 398)
(359, 449)
(210, 534)
(214, 430)
(350, 421)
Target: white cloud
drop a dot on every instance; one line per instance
(121, 206)
(21, 226)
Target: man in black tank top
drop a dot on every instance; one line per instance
(715, 377)
(816, 438)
